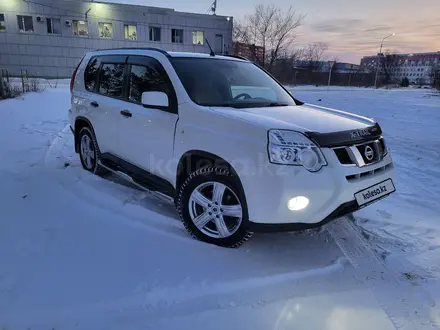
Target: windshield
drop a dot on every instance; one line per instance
(229, 83)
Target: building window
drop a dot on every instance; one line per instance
(53, 25)
(105, 30)
(177, 36)
(154, 33)
(2, 22)
(25, 23)
(198, 38)
(80, 28)
(111, 80)
(130, 32)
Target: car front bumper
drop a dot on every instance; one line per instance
(330, 192)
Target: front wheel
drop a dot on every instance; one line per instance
(212, 207)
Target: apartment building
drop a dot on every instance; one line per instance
(419, 68)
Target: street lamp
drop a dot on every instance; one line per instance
(378, 59)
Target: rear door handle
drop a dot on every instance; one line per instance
(94, 104)
(126, 113)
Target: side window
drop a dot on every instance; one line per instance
(105, 30)
(177, 36)
(80, 28)
(154, 33)
(90, 74)
(2, 22)
(53, 25)
(25, 23)
(111, 80)
(144, 79)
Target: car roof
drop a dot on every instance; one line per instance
(137, 51)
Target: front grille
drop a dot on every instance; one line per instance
(366, 174)
(362, 154)
(343, 156)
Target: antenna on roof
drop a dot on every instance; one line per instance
(212, 52)
(213, 8)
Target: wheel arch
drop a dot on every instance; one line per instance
(195, 159)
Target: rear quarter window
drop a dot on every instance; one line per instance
(91, 74)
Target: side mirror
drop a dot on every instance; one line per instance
(155, 99)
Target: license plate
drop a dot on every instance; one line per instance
(375, 192)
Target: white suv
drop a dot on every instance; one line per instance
(219, 136)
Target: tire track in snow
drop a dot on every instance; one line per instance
(157, 223)
(165, 302)
(407, 306)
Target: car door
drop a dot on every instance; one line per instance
(106, 101)
(147, 133)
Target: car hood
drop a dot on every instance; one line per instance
(302, 118)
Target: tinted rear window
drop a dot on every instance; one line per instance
(91, 74)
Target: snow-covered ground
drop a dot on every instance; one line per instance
(83, 252)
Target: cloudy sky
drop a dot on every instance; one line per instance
(351, 28)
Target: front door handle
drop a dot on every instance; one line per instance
(94, 104)
(126, 113)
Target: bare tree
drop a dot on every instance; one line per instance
(436, 78)
(271, 28)
(389, 63)
(284, 68)
(313, 55)
(434, 74)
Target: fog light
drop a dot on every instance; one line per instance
(298, 203)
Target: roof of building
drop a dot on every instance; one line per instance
(411, 55)
(150, 9)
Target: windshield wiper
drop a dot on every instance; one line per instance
(233, 105)
(242, 105)
(276, 104)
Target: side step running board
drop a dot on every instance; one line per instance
(128, 178)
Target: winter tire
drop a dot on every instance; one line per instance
(89, 151)
(213, 208)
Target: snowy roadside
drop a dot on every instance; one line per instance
(82, 252)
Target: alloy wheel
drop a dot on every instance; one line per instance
(215, 209)
(87, 151)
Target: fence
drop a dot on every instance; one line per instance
(303, 77)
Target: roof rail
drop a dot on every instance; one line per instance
(235, 56)
(138, 48)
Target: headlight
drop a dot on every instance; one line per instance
(293, 148)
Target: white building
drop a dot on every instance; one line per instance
(419, 68)
(48, 37)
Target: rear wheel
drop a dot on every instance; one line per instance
(89, 151)
(212, 207)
